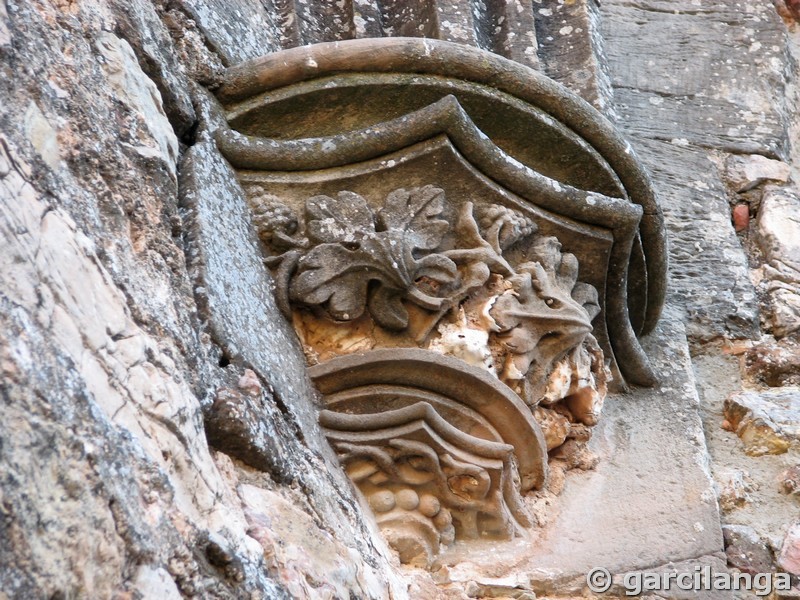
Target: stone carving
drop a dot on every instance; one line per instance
(343, 259)
(460, 244)
(403, 113)
(425, 437)
(400, 275)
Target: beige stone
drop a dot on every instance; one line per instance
(767, 422)
(744, 172)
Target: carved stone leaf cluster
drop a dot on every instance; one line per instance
(358, 260)
(432, 467)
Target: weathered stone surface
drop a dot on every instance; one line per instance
(687, 92)
(141, 27)
(132, 87)
(789, 480)
(720, 86)
(768, 421)
(789, 557)
(105, 364)
(233, 286)
(778, 237)
(237, 30)
(733, 489)
(571, 49)
(655, 457)
(746, 551)
(709, 270)
(5, 34)
(744, 172)
(652, 474)
(773, 363)
(234, 292)
(468, 128)
(135, 453)
(778, 227)
(767, 510)
(437, 464)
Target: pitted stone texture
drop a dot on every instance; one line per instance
(773, 363)
(141, 27)
(779, 227)
(101, 438)
(104, 365)
(778, 237)
(746, 551)
(236, 29)
(789, 557)
(768, 422)
(233, 286)
(709, 75)
(240, 30)
(652, 476)
(744, 172)
(234, 293)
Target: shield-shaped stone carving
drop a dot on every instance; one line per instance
(373, 116)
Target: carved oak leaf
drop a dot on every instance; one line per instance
(415, 212)
(350, 254)
(539, 320)
(344, 219)
(340, 276)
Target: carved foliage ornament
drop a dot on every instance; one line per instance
(461, 245)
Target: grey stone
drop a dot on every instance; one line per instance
(652, 476)
(235, 296)
(709, 270)
(5, 34)
(237, 30)
(672, 65)
(234, 288)
(571, 49)
(709, 75)
(141, 27)
(104, 363)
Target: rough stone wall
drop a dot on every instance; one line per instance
(108, 486)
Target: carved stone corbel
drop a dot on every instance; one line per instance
(461, 245)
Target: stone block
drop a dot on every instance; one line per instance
(767, 421)
(744, 172)
(746, 551)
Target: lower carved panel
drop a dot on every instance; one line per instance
(441, 450)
